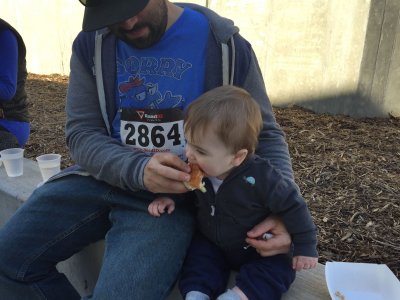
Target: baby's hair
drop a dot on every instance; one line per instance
(233, 114)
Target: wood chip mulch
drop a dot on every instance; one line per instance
(347, 169)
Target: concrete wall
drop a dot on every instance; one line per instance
(48, 29)
(340, 57)
(380, 70)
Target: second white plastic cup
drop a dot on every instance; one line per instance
(49, 165)
(13, 161)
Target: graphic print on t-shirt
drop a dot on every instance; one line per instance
(136, 92)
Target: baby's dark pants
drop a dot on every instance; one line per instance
(207, 268)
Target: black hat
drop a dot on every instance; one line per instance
(102, 13)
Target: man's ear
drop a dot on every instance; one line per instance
(239, 157)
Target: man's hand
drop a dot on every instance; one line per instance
(165, 172)
(279, 243)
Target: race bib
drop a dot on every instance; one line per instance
(153, 130)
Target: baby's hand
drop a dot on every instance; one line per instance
(159, 205)
(304, 262)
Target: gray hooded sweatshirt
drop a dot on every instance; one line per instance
(91, 102)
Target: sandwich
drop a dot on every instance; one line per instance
(196, 179)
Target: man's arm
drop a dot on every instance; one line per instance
(272, 146)
(90, 146)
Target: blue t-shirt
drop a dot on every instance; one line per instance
(170, 74)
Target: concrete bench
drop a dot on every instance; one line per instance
(83, 268)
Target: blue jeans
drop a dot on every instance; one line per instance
(143, 254)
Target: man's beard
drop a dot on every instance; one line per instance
(155, 34)
(156, 23)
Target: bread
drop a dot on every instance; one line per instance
(196, 179)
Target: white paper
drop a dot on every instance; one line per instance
(361, 281)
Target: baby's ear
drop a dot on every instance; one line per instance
(239, 157)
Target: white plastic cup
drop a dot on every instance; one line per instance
(13, 161)
(49, 165)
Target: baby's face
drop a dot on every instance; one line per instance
(213, 157)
